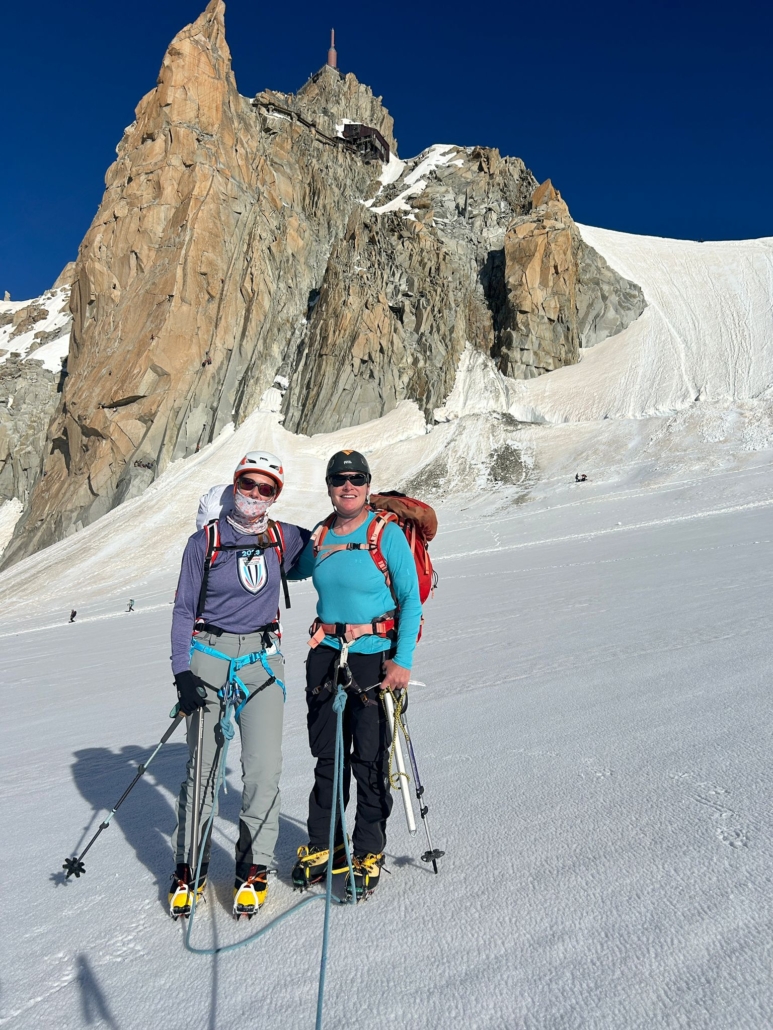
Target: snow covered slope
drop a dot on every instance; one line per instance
(53, 325)
(594, 732)
(707, 335)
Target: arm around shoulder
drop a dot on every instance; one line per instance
(302, 564)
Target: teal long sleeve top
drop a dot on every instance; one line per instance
(351, 589)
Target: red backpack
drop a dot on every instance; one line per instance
(416, 519)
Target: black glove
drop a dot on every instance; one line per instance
(191, 691)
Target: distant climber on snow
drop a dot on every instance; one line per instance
(73, 613)
(580, 478)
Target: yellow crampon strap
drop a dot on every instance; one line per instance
(394, 778)
(317, 858)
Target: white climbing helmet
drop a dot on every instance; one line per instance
(264, 462)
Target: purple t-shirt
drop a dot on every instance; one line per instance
(242, 589)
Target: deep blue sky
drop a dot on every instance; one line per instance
(649, 117)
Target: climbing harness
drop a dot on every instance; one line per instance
(384, 626)
(234, 685)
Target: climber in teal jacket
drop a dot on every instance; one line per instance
(352, 589)
(380, 626)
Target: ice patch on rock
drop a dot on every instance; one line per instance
(479, 387)
(10, 513)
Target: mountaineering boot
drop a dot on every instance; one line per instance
(250, 891)
(367, 873)
(181, 891)
(311, 866)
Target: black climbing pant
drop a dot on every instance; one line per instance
(366, 749)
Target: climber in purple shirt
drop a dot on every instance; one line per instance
(227, 611)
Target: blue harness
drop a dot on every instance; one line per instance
(235, 692)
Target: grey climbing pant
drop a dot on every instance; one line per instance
(260, 724)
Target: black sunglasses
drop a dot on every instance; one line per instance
(246, 486)
(357, 479)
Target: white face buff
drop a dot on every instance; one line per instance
(250, 513)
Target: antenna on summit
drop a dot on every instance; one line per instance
(332, 56)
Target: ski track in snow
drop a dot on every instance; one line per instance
(590, 711)
(768, 502)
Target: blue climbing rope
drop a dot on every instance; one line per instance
(232, 707)
(339, 703)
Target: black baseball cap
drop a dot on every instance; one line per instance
(347, 461)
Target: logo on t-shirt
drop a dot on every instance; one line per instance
(253, 574)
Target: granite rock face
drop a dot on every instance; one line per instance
(560, 294)
(606, 302)
(240, 240)
(30, 384)
(416, 275)
(29, 395)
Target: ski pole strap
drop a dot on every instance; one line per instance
(383, 626)
(234, 681)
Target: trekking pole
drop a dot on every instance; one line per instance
(194, 862)
(74, 866)
(402, 776)
(432, 854)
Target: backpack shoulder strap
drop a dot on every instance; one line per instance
(278, 540)
(375, 532)
(212, 536)
(320, 533)
(372, 544)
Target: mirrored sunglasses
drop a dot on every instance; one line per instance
(356, 479)
(247, 485)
